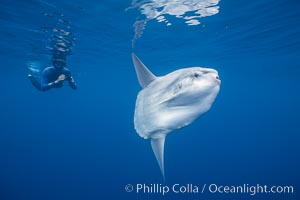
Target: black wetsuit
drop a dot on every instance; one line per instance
(49, 76)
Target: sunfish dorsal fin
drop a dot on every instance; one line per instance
(157, 145)
(144, 75)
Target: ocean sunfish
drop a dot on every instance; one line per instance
(171, 102)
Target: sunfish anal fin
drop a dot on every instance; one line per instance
(158, 150)
(144, 75)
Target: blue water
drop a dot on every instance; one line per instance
(65, 144)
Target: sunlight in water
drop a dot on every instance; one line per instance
(188, 10)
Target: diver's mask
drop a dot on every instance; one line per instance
(59, 63)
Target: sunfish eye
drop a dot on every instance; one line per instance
(196, 75)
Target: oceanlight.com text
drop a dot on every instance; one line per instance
(247, 189)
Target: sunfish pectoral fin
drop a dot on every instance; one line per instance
(158, 150)
(144, 75)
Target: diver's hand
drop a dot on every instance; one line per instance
(62, 77)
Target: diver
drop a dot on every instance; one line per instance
(54, 76)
